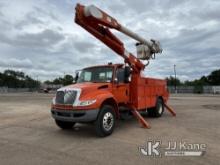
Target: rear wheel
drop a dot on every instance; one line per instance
(126, 115)
(64, 124)
(158, 110)
(105, 122)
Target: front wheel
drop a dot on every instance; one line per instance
(64, 124)
(105, 122)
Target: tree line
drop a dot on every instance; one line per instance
(66, 80)
(17, 79)
(212, 79)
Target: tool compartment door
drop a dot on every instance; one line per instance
(153, 89)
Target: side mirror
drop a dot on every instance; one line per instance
(116, 80)
(127, 73)
(77, 76)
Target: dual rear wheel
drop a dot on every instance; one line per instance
(158, 110)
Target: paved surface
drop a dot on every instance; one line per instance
(28, 134)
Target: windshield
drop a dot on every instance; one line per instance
(96, 74)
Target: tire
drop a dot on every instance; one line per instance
(127, 115)
(64, 124)
(158, 110)
(150, 112)
(105, 123)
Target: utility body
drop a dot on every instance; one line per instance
(105, 93)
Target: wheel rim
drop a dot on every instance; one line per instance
(108, 121)
(160, 109)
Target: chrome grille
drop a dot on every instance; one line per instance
(65, 97)
(69, 97)
(60, 97)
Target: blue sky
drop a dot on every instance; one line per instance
(41, 38)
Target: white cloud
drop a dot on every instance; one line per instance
(41, 38)
(16, 63)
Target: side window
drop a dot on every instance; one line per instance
(120, 75)
(87, 76)
(102, 76)
(109, 76)
(106, 76)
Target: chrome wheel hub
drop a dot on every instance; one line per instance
(108, 121)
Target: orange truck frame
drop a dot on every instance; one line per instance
(105, 93)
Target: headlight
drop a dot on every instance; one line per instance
(54, 100)
(86, 102)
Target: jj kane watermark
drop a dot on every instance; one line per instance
(155, 148)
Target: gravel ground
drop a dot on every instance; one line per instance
(28, 134)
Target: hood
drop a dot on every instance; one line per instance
(87, 86)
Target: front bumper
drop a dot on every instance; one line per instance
(75, 115)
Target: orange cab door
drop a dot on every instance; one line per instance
(121, 92)
(120, 88)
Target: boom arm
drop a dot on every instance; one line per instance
(99, 23)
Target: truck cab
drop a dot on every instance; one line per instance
(100, 95)
(96, 88)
